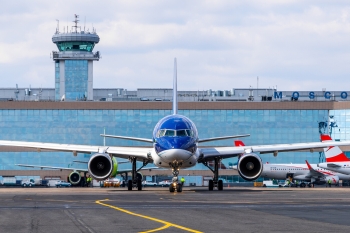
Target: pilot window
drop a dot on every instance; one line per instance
(169, 133)
(181, 133)
(173, 133)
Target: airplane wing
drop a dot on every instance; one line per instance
(228, 152)
(313, 172)
(50, 167)
(140, 153)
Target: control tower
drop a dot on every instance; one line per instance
(74, 62)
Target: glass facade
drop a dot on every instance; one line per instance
(75, 46)
(339, 124)
(57, 80)
(76, 79)
(85, 127)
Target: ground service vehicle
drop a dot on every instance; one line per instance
(28, 183)
(62, 183)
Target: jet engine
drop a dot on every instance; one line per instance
(249, 166)
(74, 178)
(101, 166)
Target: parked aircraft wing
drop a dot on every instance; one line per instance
(313, 172)
(128, 138)
(222, 138)
(228, 152)
(56, 168)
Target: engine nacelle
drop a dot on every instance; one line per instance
(333, 179)
(250, 166)
(101, 166)
(74, 178)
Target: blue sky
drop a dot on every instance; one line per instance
(220, 45)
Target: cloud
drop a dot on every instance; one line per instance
(219, 44)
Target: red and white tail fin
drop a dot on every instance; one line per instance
(333, 153)
(239, 143)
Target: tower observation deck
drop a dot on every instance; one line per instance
(74, 62)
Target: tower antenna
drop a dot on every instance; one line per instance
(84, 22)
(58, 26)
(76, 22)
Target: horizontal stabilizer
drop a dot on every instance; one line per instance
(222, 138)
(333, 165)
(128, 138)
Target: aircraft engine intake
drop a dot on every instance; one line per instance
(100, 166)
(250, 166)
(74, 178)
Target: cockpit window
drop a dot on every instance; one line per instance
(170, 133)
(181, 133)
(189, 133)
(175, 133)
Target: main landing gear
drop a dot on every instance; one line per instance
(175, 185)
(215, 182)
(136, 179)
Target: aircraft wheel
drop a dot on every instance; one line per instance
(171, 188)
(129, 185)
(211, 185)
(30, 185)
(139, 185)
(302, 185)
(179, 188)
(24, 185)
(220, 185)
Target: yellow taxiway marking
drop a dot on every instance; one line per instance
(166, 224)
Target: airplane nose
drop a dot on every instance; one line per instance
(172, 155)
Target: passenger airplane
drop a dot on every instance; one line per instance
(304, 172)
(336, 160)
(175, 145)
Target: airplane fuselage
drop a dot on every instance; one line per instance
(175, 141)
(340, 167)
(298, 171)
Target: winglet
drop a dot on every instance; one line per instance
(325, 137)
(175, 88)
(239, 143)
(308, 165)
(333, 153)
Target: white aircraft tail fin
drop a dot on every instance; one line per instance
(175, 88)
(333, 153)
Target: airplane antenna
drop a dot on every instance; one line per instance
(175, 88)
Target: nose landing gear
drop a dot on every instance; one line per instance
(175, 185)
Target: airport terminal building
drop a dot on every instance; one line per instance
(75, 113)
(82, 122)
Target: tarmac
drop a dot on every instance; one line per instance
(235, 209)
